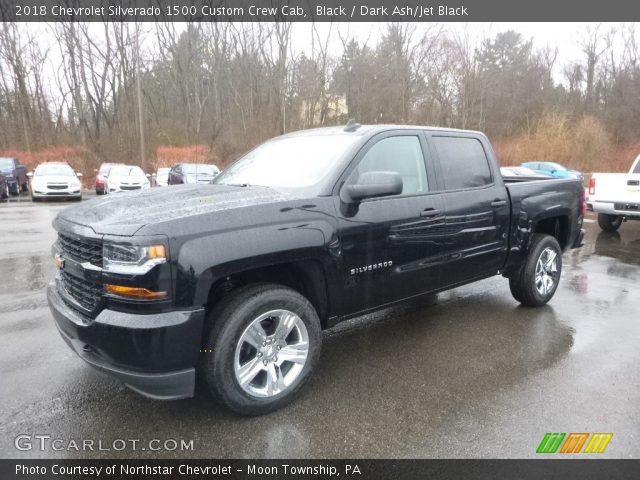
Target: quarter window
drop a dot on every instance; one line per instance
(402, 154)
(463, 162)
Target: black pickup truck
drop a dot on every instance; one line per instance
(235, 281)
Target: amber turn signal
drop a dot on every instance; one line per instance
(134, 292)
(157, 251)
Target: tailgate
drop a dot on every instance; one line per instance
(618, 188)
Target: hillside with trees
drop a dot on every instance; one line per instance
(209, 91)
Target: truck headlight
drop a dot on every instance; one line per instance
(132, 259)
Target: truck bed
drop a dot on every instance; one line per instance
(533, 200)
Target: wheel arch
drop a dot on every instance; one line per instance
(305, 276)
(557, 226)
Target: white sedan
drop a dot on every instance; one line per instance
(124, 178)
(55, 179)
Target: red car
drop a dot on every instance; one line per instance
(101, 177)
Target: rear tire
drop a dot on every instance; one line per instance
(536, 282)
(251, 328)
(609, 223)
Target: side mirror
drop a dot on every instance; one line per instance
(374, 184)
(30, 174)
(78, 174)
(147, 175)
(153, 175)
(95, 170)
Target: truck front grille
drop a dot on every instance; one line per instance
(86, 292)
(82, 250)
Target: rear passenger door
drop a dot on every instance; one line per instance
(476, 207)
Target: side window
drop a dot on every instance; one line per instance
(463, 162)
(402, 154)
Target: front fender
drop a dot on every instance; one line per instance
(202, 261)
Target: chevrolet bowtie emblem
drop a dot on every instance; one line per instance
(58, 260)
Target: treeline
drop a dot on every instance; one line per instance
(118, 91)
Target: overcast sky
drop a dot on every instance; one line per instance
(564, 36)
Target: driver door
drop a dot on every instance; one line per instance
(391, 246)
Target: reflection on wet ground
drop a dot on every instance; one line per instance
(468, 373)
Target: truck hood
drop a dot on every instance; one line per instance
(128, 212)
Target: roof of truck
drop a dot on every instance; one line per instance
(362, 130)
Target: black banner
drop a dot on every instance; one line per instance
(314, 469)
(319, 10)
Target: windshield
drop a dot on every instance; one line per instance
(57, 170)
(290, 162)
(104, 169)
(6, 163)
(195, 169)
(126, 171)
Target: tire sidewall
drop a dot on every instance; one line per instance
(609, 223)
(233, 321)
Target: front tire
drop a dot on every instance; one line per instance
(536, 282)
(263, 347)
(609, 223)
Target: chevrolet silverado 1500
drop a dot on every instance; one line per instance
(235, 281)
(615, 197)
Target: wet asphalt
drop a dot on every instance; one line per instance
(467, 374)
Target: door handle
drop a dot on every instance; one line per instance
(498, 203)
(430, 212)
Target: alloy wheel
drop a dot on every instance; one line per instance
(546, 271)
(271, 353)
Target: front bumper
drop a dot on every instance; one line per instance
(154, 355)
(45, 192)
(127, 188)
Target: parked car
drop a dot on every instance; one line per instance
(191, 173)
(520, 173)
(553, 169)
(215, 168)
(101, 177)
(122, 178)
(615, 197)
(161, 177)
(55, 180)
(15, 173)
(237, 279)
(4, 186)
